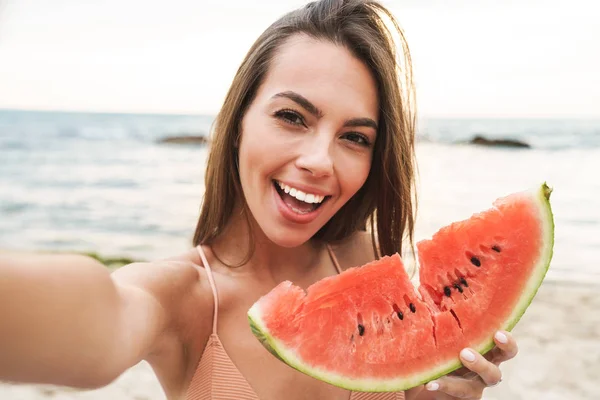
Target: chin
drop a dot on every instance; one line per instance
(288, 238)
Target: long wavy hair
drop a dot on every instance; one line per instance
(386, 204)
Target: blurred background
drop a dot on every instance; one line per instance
(92, 95)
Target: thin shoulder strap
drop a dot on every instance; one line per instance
(213, 286)
(334, 259)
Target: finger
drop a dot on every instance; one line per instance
(439, 396)
(487, 371)
(506, 348)
(453, 387)
(444, 396)
(414, 393)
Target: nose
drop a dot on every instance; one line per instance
(315, 155)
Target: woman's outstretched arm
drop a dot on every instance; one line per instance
(64, 319)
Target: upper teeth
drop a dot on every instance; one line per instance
(300, 195)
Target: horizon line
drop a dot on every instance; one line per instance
(203, 114)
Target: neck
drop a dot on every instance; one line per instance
(242, 237)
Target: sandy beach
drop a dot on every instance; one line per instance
(559, 339)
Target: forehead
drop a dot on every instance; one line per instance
(326, 74)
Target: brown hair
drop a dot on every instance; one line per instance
(387, 200)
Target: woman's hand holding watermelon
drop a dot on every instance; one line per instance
(479, 372)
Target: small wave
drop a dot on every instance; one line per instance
(185, 139)
(115, 184)
(14, 144)
(15, 208)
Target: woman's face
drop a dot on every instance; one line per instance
(307, 139)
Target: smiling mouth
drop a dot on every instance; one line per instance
(298, 201)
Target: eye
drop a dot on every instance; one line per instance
(358, 138)
(290, 116)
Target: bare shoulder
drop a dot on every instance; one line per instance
(356, 250)
(176, 283)
(172, 274)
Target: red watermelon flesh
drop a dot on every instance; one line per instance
(369, 329)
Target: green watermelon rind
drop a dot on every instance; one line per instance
(541, 197)
(280, 351)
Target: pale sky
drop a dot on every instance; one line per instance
(504, 58)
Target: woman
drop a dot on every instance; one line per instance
(314, 143)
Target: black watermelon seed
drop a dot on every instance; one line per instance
(447, 291)
(464, 282)
(361, 330)
(400, 315)
(475, 261)
(458, 288)
(412, 307)
(496, 249)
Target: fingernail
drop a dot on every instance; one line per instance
(501, 337)
(467, 355)
(432, 386)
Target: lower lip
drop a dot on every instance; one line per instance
(291, 215)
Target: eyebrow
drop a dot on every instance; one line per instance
(302, 101)
(354, 122)
(314, 110)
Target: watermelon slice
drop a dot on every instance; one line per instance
(370, 329)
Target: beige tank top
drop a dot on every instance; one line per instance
(217, 378)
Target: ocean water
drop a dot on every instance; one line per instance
(100, 182)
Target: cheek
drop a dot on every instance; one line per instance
(264, 148)
(354, 175)
(254, 136)
(258, 156)
(250, 148)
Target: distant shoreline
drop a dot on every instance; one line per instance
(116, 261)
(111, 262)
(213, 115)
